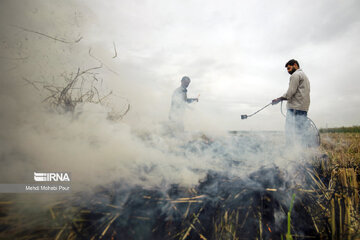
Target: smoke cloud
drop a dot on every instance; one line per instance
(48, 43)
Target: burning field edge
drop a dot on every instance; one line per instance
(265, 205)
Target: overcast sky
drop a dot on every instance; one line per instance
(234, 52)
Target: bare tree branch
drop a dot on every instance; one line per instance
(49, 97)
(88, 70)
(98, 95)
(82, 86)
(114, 50)
(97, 59)
(48, 36)
(127, 110)
(31, 83)
(105, 96)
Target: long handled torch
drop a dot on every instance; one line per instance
(247, 116)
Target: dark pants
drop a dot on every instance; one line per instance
(296, 126)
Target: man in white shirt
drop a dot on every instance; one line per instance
(179, 101)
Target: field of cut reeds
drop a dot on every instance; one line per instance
(342, 172)
(265, 206)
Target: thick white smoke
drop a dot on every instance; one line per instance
(139, 149)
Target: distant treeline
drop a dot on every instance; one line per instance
(341, 129)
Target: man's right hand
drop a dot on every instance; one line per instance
(276, 101)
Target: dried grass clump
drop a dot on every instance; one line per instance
(82, 86)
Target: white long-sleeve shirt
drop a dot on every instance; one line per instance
(178, 104)
(298, 93)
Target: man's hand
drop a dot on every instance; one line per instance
(191, 100)
(277, 100)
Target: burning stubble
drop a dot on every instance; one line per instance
(134, 176)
